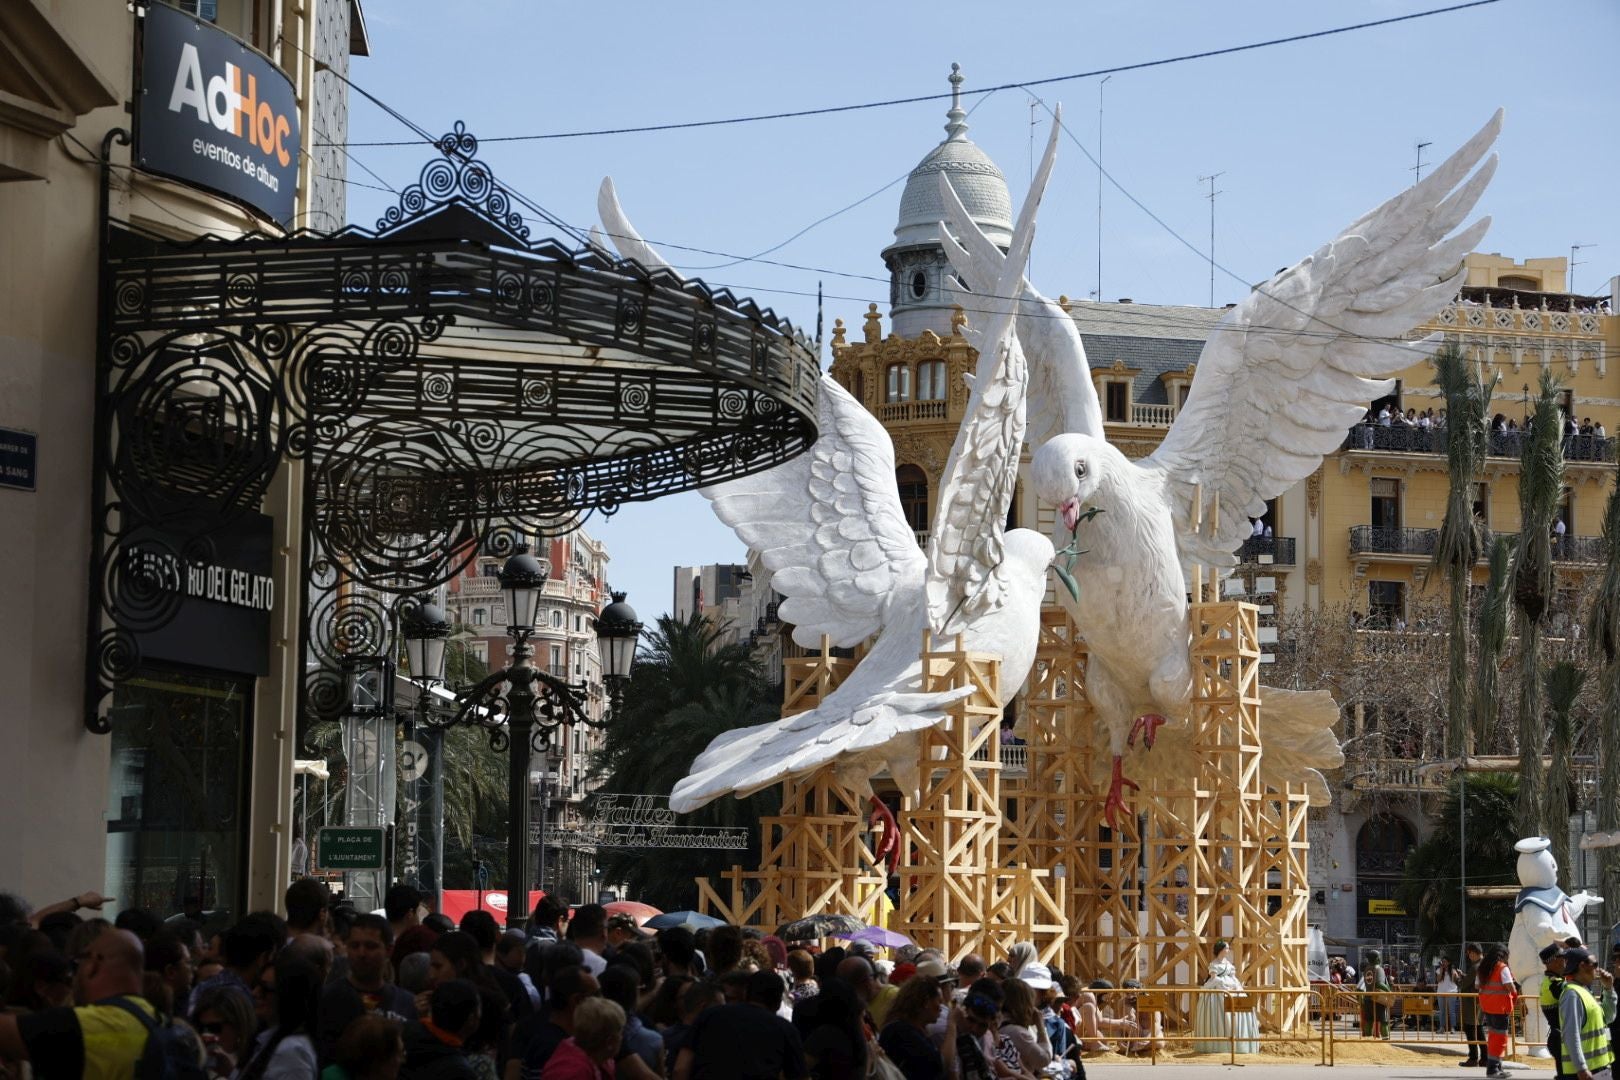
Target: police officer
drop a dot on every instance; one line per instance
(1587, 1054)
(1552, 989)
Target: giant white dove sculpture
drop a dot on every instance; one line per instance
(1279, 382)
(829, 527)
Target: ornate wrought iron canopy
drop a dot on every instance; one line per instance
(443, 385)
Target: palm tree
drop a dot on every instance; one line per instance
(1468, 404)
(1603, 635)
(1495, 615)
(1564, 682)
(687, 687)
(1541, 485)
(1432, 885)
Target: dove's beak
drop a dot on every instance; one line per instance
(1071, 513)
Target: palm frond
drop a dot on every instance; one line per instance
(1495, 618)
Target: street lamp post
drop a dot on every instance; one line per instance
(536, 703)
(426, 631)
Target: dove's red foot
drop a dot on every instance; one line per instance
(1148, 724)
(1116, 793)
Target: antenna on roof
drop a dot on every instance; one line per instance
(819, 313)
(1418, 168)
(1210, 179)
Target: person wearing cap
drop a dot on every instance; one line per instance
(621, 929)
(1552, 989)
(1588, 1053)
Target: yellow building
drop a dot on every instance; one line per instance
(1357, 534)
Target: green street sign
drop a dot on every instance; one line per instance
(349, 848)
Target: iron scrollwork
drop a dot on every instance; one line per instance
(443, 386)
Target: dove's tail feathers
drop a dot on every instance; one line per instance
(1296, 729)
(744, 761)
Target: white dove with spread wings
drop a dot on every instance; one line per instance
(829, 527)
(1279, 382)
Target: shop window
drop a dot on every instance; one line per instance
(177, 794)
(913, 485)
(931, 380)
(1117, 402)
(898, 379)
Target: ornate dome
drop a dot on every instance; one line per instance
(978, 183)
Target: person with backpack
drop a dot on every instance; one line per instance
(113, 1033)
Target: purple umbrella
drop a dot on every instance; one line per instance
(878, 937)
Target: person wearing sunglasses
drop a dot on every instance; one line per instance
(226, 1024)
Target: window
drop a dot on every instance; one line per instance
(913, 485)
(490, 568)
(1482, 505)
(919, 285)
(1117, 402)
(1182, 390)
(1511, 281)
(899, 383)
(177, 793)
(579, 624)
(556, 619)
(556, 659)
(1386, 605)
(931, 380)
(479, 618)
(1386, 503)
(207, 10)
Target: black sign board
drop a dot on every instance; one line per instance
(215, 113)
(219, 586)
(18, 455)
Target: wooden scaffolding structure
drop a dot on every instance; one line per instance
(1214, 854)
(956, 894)
(814, 855)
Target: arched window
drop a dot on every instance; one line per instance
(898, 386)
(556, 618)
(1383, 844)
(931, 380)
(913, 485)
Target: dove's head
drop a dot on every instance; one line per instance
(1068, 470)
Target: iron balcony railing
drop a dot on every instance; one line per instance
(1279, 548)
(1411, 440)
(1372, 540)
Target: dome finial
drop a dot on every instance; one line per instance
(956, 119)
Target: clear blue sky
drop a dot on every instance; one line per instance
(1308, 137)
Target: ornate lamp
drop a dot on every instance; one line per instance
(617, 631)
(426, 631)
(523, 579)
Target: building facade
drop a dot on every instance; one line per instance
(1353, 541)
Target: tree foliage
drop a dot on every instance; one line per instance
(1468, 403)
(1603, 638)
(1541, 486)
(1495, 620)
(687, 688)
(1564, 681)
(1442, 865)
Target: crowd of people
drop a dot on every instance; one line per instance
(1387, 427)
(317, 989)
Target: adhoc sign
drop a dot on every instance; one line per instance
(215, 113)
(349, 848)
(1385, 907)
(220, 603)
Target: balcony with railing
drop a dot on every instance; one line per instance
(901, 412)
(1420, 543)
(1579, 449)
(1376, 540)
(1147, 415)
(479, 586)
(1268, 550)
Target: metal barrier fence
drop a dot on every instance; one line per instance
(1166, 1019)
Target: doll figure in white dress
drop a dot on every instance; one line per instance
(1210, 1024)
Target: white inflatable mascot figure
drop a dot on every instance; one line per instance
(1542, 915)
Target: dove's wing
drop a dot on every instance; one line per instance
(1297, 739)
(1289, 370)
(621, 232)
(829, 527)
(1061, 397)
(965, 548)
(828, 524)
